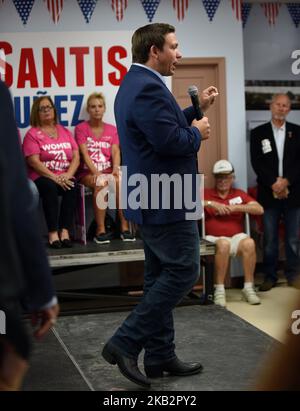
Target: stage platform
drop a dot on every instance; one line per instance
(116, 251)
(230, 349)
(81, 262)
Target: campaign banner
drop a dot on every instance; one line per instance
(68, 66)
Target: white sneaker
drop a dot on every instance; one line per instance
(250, 296)
(219, 298)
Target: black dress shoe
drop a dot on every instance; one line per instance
(66, 243)
(173, 367)
(267, 285)
(56, 244)
(127, 366)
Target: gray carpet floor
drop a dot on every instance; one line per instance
(231, 351)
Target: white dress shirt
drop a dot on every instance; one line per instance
(279, 136)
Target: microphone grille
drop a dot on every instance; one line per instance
(193, 90)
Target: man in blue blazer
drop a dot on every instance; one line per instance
(275, 155)
(158, 140)
(25, 275)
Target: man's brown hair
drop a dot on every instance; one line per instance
(147, 36)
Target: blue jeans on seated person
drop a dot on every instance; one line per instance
(291, 220)
(172, 265)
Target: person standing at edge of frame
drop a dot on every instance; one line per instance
(25, 276)
(157, 138)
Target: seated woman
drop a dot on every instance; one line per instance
(100, 156)
(52, 157)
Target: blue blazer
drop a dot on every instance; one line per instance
(24, 271)
(156, 139)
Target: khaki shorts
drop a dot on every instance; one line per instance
(234, 241)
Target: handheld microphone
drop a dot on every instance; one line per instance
(193, 93)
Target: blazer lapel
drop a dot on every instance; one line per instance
(270, 134)
(288, 142)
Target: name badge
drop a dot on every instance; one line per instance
(235, 200)
(266, 146)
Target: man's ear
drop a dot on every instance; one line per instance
(154, 52)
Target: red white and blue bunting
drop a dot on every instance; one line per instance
(55, 8)
(24, 9)
(180, 6)
(87, 8)
(119, 6)
(211, 7)
(150, 7)
(294, 10)
(240, 9)
(246, 8)
(237, 8)
(271, 11)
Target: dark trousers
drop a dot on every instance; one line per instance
(291, 220)
(15, 334)
(49, 192)
(172, 264)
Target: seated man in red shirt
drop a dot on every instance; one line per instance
(225, 207)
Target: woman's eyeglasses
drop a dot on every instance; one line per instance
(43, 109)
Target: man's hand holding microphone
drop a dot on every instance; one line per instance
(207, 98)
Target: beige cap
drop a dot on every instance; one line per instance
(223, 167)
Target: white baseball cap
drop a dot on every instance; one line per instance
(223, 167)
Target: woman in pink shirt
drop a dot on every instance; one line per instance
(100, 163)
(52, 158)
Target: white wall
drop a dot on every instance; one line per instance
(198, 37)
(268, 48)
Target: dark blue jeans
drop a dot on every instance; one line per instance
(291, 219)
(172, 264)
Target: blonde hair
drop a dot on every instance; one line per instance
(100, 96)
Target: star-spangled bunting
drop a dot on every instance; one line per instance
(246, 8)
(55, 8)
(181, 7)
(211, 7)
(119, 6)
(271, 11)
(24, 9)
(87, 8)
(294, 10)
(237, 8)
(150, 7)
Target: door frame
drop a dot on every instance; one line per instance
(220, 64)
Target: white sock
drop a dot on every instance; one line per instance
(219, 287)
(248, 285)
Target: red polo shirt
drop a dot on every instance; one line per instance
(225, 225)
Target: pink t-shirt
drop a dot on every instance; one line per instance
(55, 154)
(99, 148)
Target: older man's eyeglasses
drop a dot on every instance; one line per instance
(43, 109)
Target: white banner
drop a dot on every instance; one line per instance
(68, 66)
